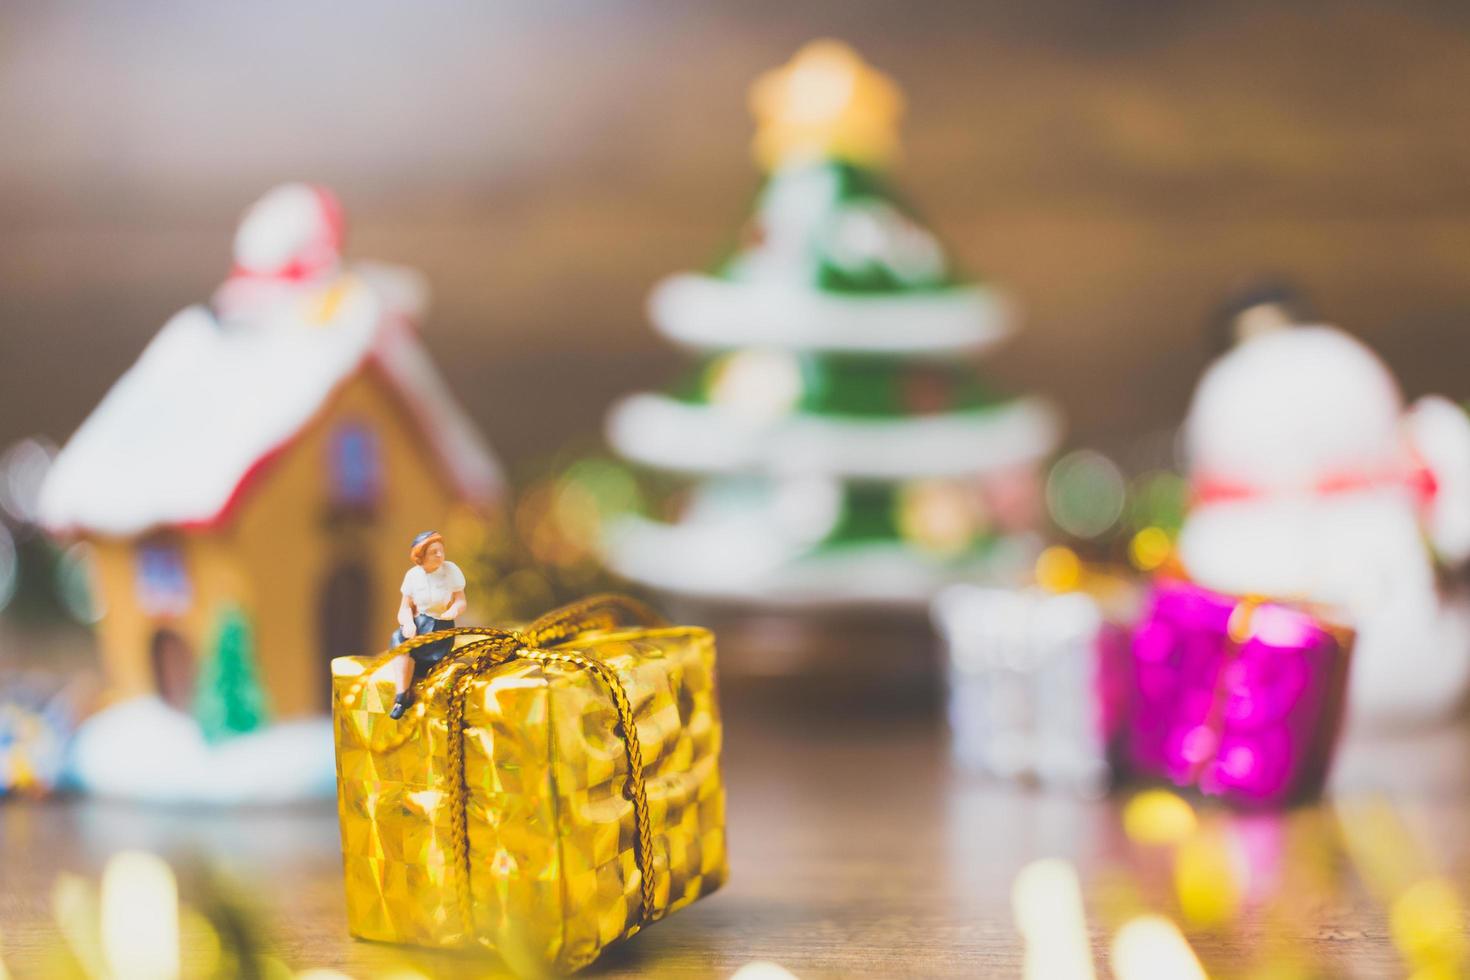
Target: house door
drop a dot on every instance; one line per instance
(174, 669)
(344, 618)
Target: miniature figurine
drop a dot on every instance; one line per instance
(433, 598)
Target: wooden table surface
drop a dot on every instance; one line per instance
(856, 850)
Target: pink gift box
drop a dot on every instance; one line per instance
(1239, 698)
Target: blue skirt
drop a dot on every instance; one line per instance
(426, 656)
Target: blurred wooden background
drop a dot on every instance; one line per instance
(1115, 164)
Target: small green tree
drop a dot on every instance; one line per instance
(230, 700)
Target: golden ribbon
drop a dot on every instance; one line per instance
(495, 647)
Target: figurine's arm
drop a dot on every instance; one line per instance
(405, 618)
(457, 605)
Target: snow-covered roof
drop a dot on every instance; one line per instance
(177, 438)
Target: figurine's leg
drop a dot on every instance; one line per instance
(400, 670)
(411, 667)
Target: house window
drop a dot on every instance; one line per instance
(355, 470)
(163, 585)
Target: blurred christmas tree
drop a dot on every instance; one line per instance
(230, 700)
(838, 442)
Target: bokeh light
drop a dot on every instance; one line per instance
(611, 487)
(1150, 947)
(763, 970)
(1085, 493)
(1046, 900)
(74, 906)
(76, 583)
(1427, 925)
(203, 954)
(139, 918)
(1157, 816)
(561, 517)
(1150, 548)
(9, 567)
(23, 468)
(1058, 569)
(1158, 498)
(1207, 879)
(938, 516)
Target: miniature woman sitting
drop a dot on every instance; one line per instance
(433, 597)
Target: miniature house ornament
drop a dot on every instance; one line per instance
(837, 444)
(246, 489)
(1312, 482)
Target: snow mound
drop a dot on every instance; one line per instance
(144, 750)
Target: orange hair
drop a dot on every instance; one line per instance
(421, 548)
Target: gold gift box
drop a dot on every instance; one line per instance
(549, 792)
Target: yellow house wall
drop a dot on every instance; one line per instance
(282, 539)
(126, 630)
(273, 555)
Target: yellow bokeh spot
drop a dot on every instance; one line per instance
(1150, 947)
(139, 917)
(274, 968)
(937, 516)
(74, 906)
(1438, 971)
(1058, 569)
(1426, 923)
(1241, 623)
(1205, 880)
(1157, 816)
(200, 945)
(826, 103)
(1150, 548)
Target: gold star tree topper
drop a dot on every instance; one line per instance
(826, 103)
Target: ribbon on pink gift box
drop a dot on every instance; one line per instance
(1240, 698)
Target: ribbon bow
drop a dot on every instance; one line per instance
(495, 647)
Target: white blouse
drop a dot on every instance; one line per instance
(432, 592)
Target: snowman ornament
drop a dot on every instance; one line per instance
(1312, 482)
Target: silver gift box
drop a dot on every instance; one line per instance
(1029, 674)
